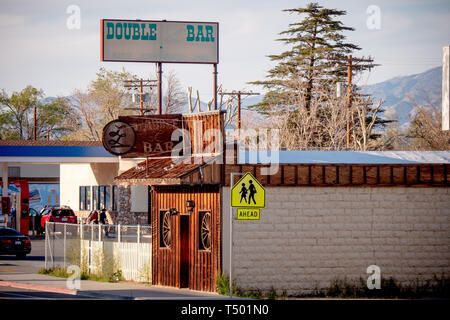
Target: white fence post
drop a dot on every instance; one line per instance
(53, 245)
(118, 232)
(81, 244)
(99, 232)
(64, 251)
(139, 233)
(46, 244)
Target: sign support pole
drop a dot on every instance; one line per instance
(215, 85)
(159, 67)
(232, 174)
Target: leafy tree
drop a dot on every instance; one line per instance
(174, 98)
(317, 57)
(17, 115)
(301, 89)
(109, 93)
(107, 98)
(425, 129)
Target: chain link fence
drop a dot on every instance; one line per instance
(100, 249)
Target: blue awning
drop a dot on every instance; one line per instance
(54, 151)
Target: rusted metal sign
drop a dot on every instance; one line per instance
(143, 136)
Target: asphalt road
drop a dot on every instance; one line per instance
(9, 293)
(30, 264)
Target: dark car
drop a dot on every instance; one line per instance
(58, 214)
(13, 242)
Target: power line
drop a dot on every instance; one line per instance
(238, 94)
(135, 84)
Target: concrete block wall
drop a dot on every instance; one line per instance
(308, 237)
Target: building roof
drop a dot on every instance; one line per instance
(28, 151)
(166, 171)
(343, 157)
(50, 143)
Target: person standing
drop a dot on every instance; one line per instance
(13, 218)
(104, 220)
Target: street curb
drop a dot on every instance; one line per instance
(29, 286)
(96, 295)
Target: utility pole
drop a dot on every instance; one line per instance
(140, 84)
(35, 124)
(238, 95)
(446, 88)
(159, 67)
(350, 67)
(349, 96)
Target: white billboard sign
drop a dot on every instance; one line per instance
(159, 41)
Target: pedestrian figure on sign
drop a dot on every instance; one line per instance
(252, 190)
(243, 193)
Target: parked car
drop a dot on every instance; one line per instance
(14, 243)
(58, 214)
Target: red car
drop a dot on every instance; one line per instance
(58, 214)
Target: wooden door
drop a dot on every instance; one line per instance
(184, 251)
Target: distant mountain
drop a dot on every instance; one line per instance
(400, 93)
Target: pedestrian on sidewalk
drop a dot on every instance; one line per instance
(104, 220)
(13, 218)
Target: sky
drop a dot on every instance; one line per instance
(38, 49)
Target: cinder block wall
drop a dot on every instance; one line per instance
(310, 236)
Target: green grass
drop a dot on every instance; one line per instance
(390, 288)
(62, 273)
(223, 288)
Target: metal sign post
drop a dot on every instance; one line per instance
(232, 174)
(250, 210)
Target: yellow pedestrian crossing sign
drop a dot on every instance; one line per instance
(248, 193)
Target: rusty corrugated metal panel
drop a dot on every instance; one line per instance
(165, 171)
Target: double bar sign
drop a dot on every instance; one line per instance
(159, 41)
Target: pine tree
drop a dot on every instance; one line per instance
(317, 57)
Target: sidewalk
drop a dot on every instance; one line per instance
(100, 290)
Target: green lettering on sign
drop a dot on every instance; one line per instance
(198, 35)
(130, 31)
(110, 29)
(152, 27)
(190, 33)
